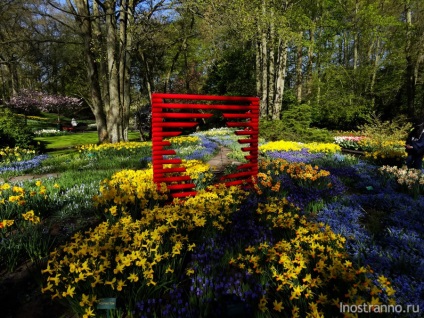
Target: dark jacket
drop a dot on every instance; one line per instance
(416, 140)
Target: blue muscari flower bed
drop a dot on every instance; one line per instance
(208, 149)
(395, 247)
(24, 165)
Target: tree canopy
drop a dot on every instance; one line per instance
(345, 59)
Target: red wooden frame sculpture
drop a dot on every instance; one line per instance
(172, 112)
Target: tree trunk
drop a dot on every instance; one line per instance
(374, 72)
(264, 58)
(147, 75)
(281, 73)
(299, 63)
(125, 34)
(309, 69)
(356, 38)
(96, 104)
(97, 46)
(258, 61)
(114, 114)
(13, 76)
(410, 76)
(272, 61)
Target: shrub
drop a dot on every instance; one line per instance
(384, 142)
(13, 131)
(278, 130)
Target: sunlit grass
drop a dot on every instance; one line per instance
(77, 139)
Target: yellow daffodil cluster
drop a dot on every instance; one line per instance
(131, 146)
(13, 202)
(130, 256)
(314, 147)
(6, 223)
(31, 217)
(8, 155)
(129, 187)
(180, 141)
(381, 150)
(32, 117)
(310, 272)
(136, 187)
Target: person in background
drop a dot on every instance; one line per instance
(74, 122)
(415, 146)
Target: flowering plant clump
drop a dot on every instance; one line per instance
(50, 132)
(123, 150)
(307, 270)
(9, 155)
(222, 131)
(21, 213)
(302, 174)
(132, 191)
(410, 180)
(386, 151)
(349, 142)
(282, 145)
(183, 141)
(33, 117)
(127, 145)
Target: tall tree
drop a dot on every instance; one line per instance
(107, 30)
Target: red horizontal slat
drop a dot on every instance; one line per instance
(245, 141)
(181, 186)
(169, 161)
(246, 166)
(158, 96)
(181, 115)
(177, 124)
(163, 152)
(237, 175)
(166, 134)
(171, 170)
(238, 124)
(173, 179)
(226, 115)
(236, 182)
(245, 132)
(184, 194)
(162, 143)
(202, 106)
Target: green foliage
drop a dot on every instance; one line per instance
(394, 130)
(13, 131)
(384, 142)
(230, 77)
(294, 126)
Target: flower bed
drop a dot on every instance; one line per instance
(318, 228)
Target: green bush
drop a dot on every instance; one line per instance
(14, 132)
(293, 126)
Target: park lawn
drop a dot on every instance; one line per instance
(72, 140)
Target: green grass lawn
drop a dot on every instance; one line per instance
(71, 140)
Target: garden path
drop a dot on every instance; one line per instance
(29, 177)
(221, 160)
